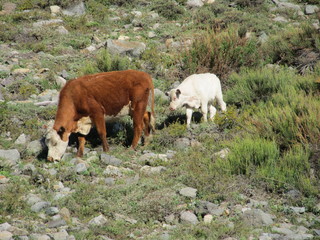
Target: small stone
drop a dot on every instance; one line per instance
(110, 181)
(188, 192)
(62, 235)
(98, 221)
(188, 217)
(37, 207)
(298, 210)
(81, 167)
(56, 223)
(60, 81)
(152, 170)
(65, 214)
(207, 218)
(52, 211)
(22, 139)
(110, 160)
(55, 9)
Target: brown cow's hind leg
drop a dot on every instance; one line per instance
(138, 115)
(99, 122)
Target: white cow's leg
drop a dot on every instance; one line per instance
(189, 116)
(212, 111)
(204, 110)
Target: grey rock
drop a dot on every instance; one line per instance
(77, 9)
(122, 47)
(284, 231)
(263, 37)
(6, 235)
(298, 210)
(188, 217)
(311, 9)
(44, 23)
(34, 147)
(194, 3)
(11, 156)
(293, 194)
(110, 181)
(205, 207)
(188, 192)
(80, 168)
(110, 160)
(257, 218)
(152, 170)
(39, 237)
(280, 19)
(56, 223)
(29, 169)
(37, 207)
(33, 199)
(182, 143)
(61, 235)
(98, 221)
(299, 236)
(62, 30)
(52, 211)
(22, 139)
(5, 227)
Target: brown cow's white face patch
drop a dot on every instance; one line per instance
(56, 146)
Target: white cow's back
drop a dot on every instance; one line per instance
(201, 85)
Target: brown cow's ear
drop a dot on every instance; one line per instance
(178, 92)
(61, 131)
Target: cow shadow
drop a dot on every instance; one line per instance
(180, 118)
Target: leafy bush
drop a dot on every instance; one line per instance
(249, 153)
(291, 46)
(251, 86)
(168, 9)
(104, 62)
(220, 52)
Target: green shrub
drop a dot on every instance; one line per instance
(251, 86)
(289, 46)
(168, 9)
(105, 62)
(249, 153)
(292, 171)
(220, 52)
(295, 122)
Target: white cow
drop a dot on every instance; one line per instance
(197, 90)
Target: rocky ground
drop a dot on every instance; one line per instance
(47, 200)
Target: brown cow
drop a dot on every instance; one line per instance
(89, 99)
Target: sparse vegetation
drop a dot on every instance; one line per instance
(264, 147)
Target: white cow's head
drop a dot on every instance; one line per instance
(175, 99)
(57, 144)
(178, 99)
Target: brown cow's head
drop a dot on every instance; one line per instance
(57, 142)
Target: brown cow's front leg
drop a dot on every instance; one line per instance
(82, 141)
(98, 120)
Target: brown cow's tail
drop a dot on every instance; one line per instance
(152, 115)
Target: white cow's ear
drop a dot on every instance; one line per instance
(178, 92)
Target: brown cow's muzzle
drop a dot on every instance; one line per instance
(50, 159)
(171, 108)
